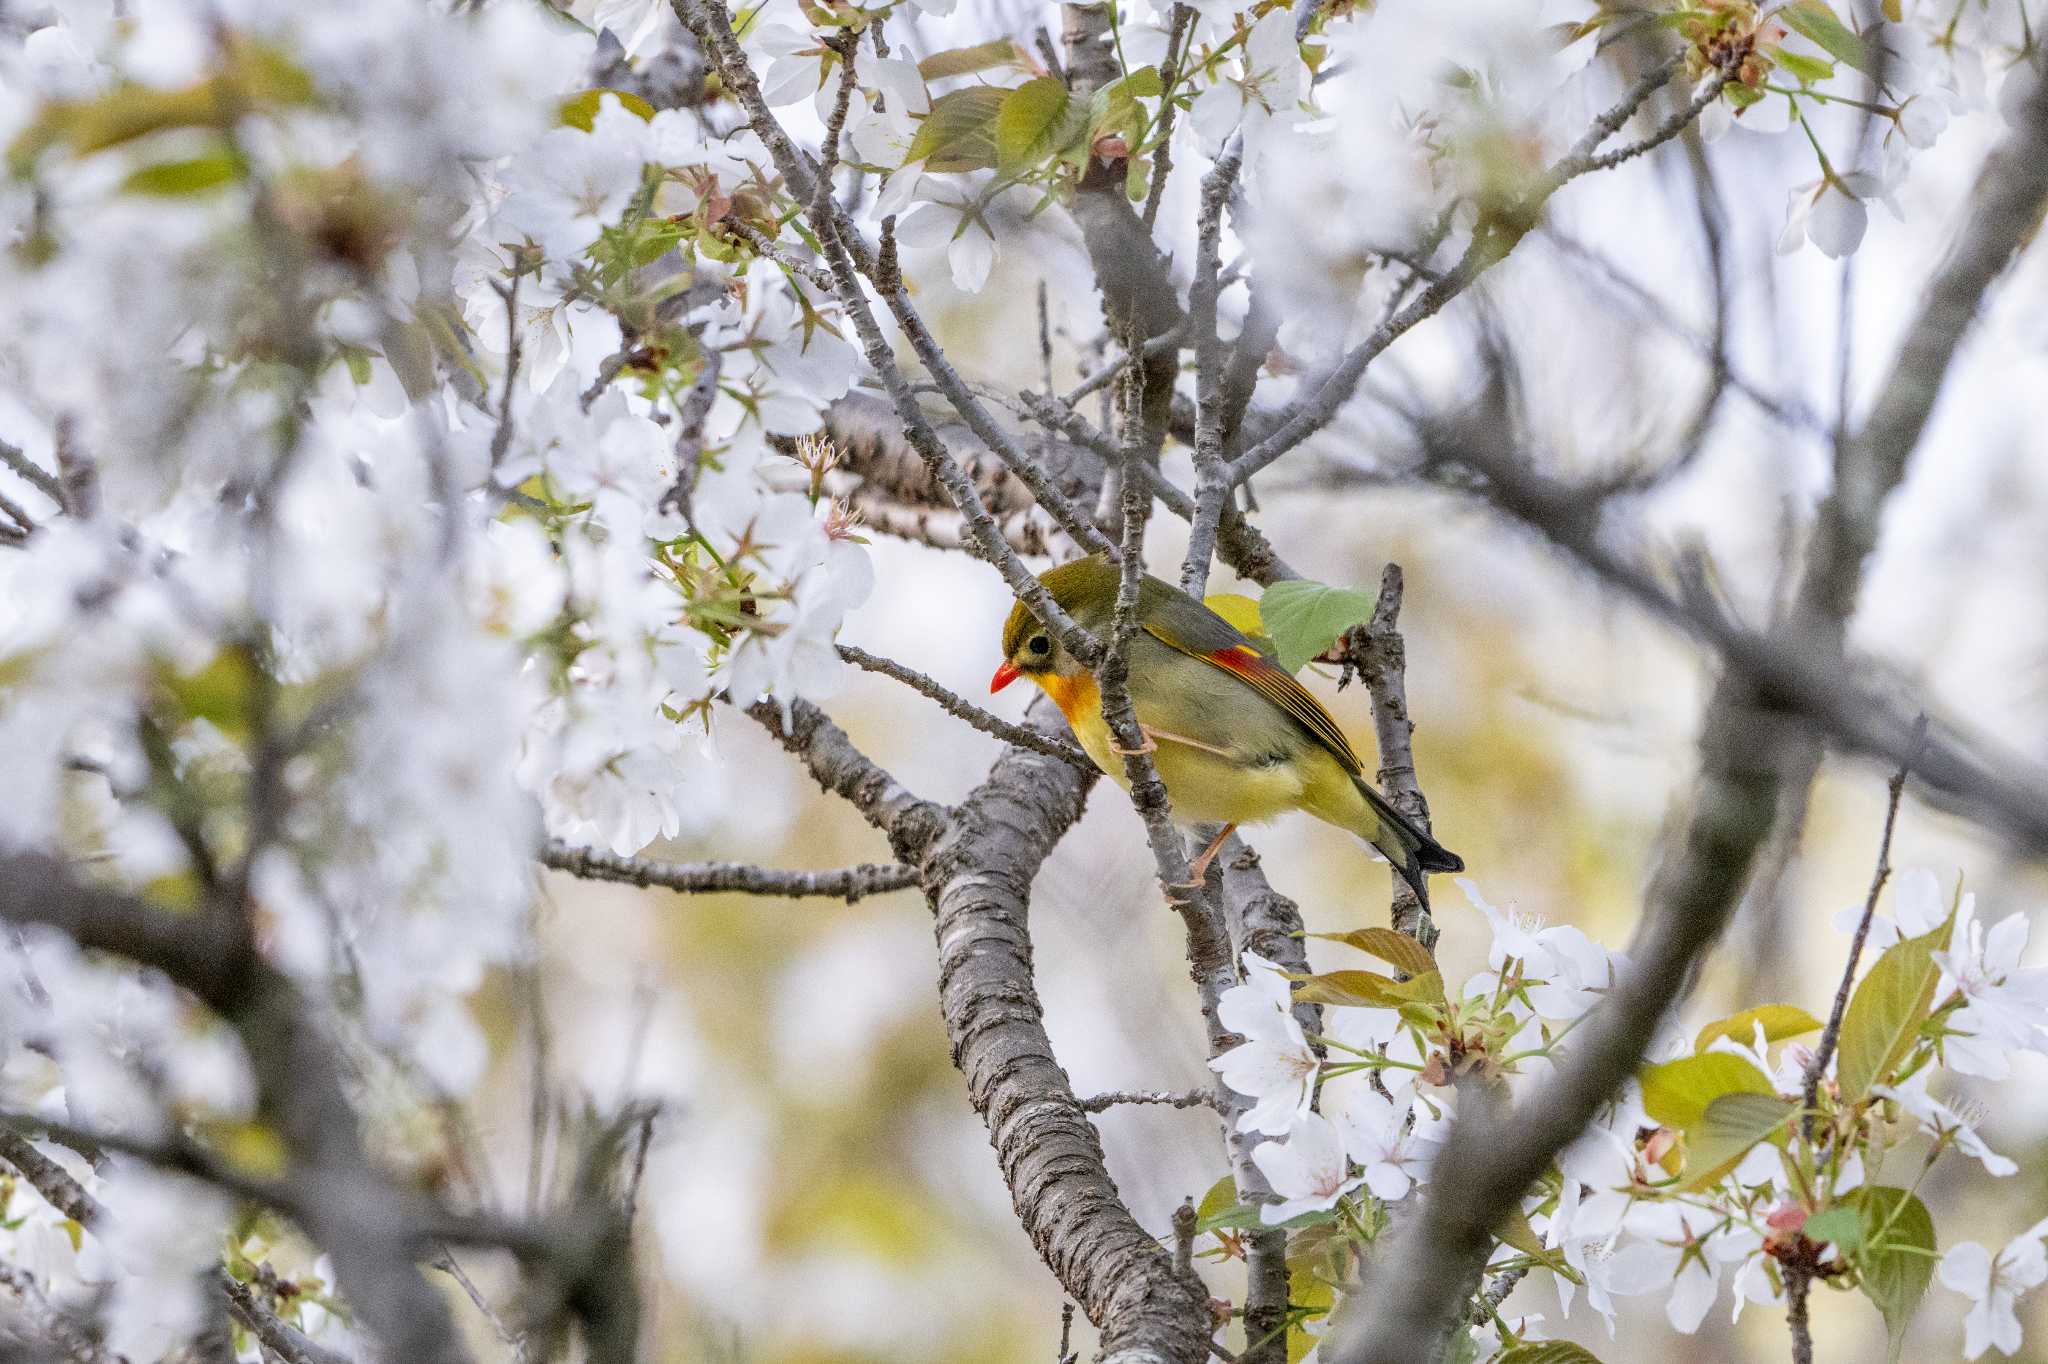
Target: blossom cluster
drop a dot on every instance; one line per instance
(1708, 1175)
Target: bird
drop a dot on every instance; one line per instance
(1235, 738)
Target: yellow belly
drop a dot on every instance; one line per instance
(1203, 787)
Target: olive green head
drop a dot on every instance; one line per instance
(1086, 590)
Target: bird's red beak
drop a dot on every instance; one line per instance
(1005, 675)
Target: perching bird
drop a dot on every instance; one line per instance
(1235, 738)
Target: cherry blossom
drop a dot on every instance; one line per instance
(1994, 1284)
(1945, 1125)
(1273, 1064)
(1379, 1134)
(1308, 1171)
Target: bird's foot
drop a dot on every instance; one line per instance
(1198, 870)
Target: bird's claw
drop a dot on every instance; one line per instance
(1150, 745)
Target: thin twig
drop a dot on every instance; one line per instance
(1832, 1033)
(845, 883)
(1496, 1293)
(957, 706)
(1316, 409)
(1182, 1098)
(1162, 154)
(1212, 472)
(817, 276)
(1381, 657)
(501, 439)
(42, 479)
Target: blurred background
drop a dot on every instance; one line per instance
(820, 1189)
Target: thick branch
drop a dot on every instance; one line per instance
(978, 879)
(2011, 190)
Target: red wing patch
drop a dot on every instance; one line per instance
(1278, 686)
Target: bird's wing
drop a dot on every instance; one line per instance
(1197, 631)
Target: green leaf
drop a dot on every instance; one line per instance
(1115, 108)
(1396, 949)
(1897, 1264)
(1813, 19)
(959, 134)
(1236, 1217)
(219, 691)
(1727, 1131)
(1305, 618)
(1222, 1194)
(1780, 1022)
(1030, 121)
(1143, 83)
(1305, 1289)
(1806, 70)
(1842, 1226)
(1885, 1013)
(965, 61)
(1515, 1233)
(357, 359)
(193, 176)
(580, 111)
(1741, 96)
(1546, 1352)
(1677, 1093)
(1359, 989)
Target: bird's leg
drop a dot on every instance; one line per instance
(1198, 870)
(1154, 737)
(1150, 744)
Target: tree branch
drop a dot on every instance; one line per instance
(910, 821)
(1489, 245)
(845, 883)
(1380, 655)
(978, 879)
(69, 1197)
(1020, 735)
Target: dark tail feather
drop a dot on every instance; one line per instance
(1413, 852)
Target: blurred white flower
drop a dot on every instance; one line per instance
(573, 184)
(957, 225)
(1994, 1285)
(1264, 90)
(1944, 1124)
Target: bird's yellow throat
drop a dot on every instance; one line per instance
(1077, 696)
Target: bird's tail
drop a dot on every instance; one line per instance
(1413, 852)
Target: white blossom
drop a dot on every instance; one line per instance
(1994, 1285)
(1308, 1171)
(1273, 1064)
(1944, 1124)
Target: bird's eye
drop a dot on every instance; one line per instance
(1040, 645)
